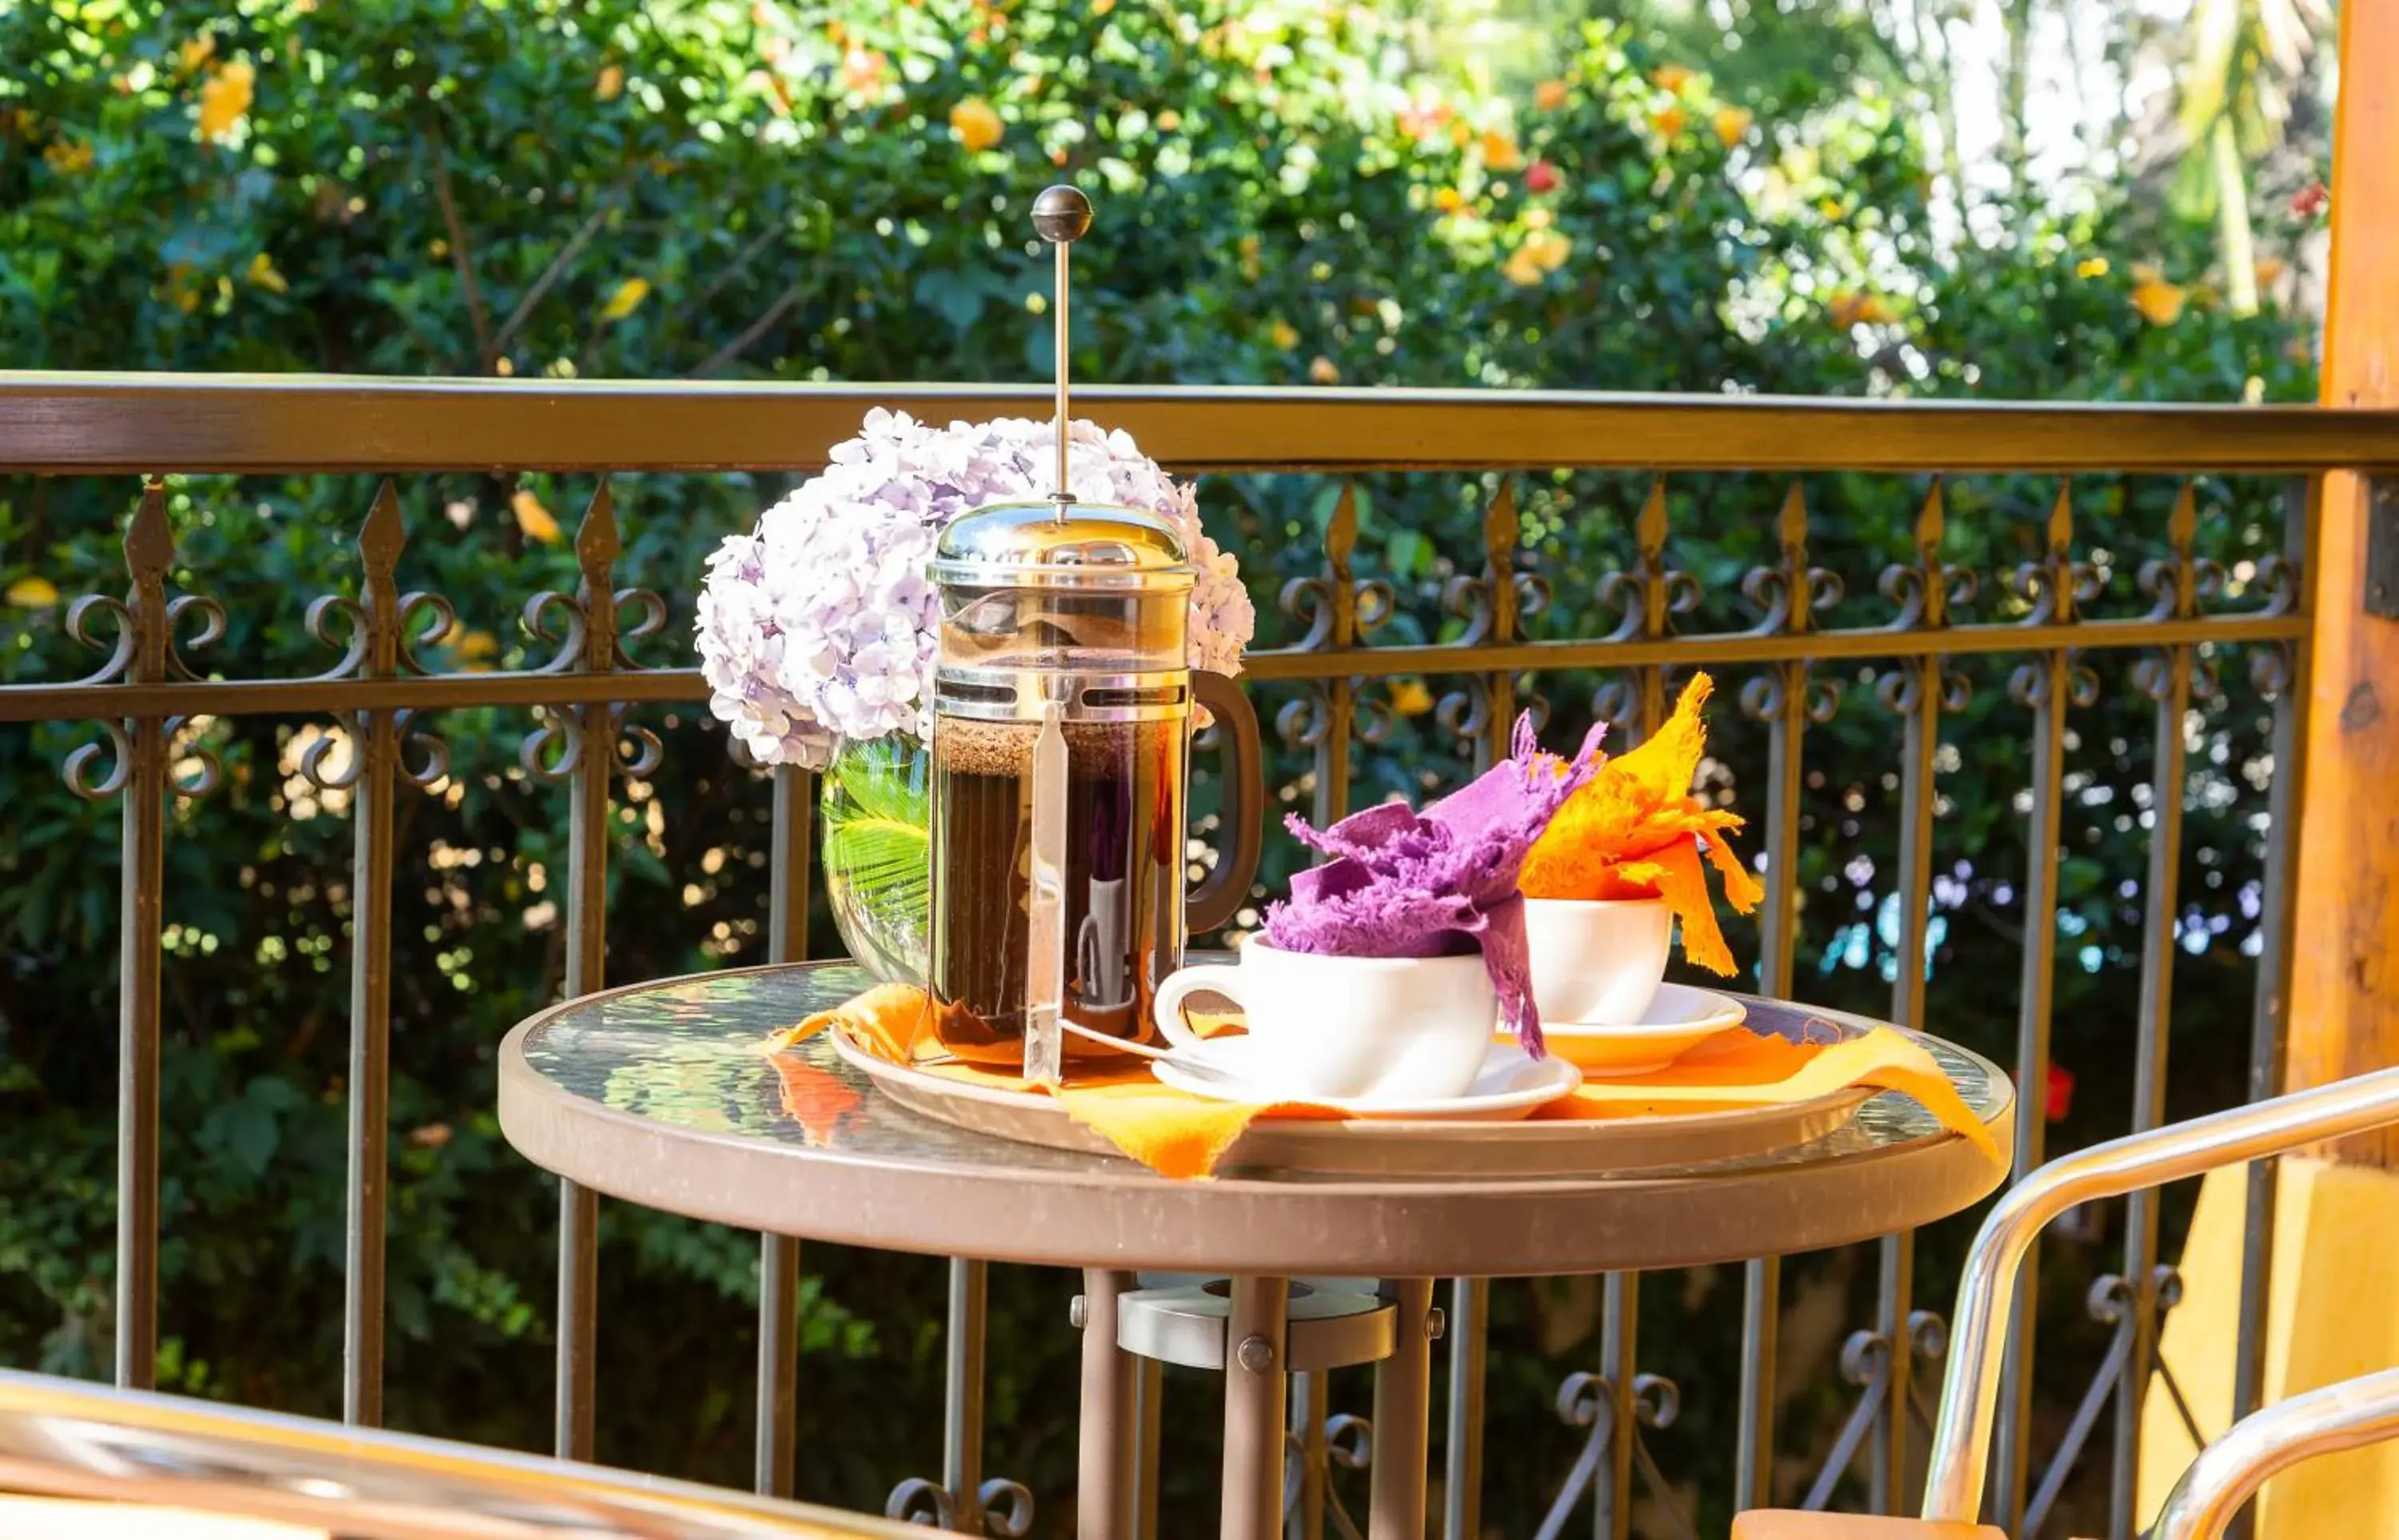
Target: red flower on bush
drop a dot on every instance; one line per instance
(1541, 177)
(2311, 200)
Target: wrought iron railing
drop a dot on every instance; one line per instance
(1335, 682)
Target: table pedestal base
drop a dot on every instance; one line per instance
(1257, 1331)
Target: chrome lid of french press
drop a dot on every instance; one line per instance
(1067, 544)
(1079, 604)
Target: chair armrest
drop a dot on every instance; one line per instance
(1763, 1524)
(2354, 1412)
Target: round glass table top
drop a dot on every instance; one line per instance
(663, 1094)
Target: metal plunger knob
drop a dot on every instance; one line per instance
(1060, 216)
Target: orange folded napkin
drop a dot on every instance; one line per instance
(1178, 1134)
(1634, 830)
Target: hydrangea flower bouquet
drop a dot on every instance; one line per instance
(817, 632)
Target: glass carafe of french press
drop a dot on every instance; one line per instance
(1061, 725)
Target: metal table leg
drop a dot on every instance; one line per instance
(1470, 1301)
(1104, 1485)
(1253, 1409)
(1402, 1407)
(1148, 1399)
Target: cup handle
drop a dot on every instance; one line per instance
(1166, 1006)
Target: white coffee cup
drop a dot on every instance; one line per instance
(1597, 962)
(1357, 1028)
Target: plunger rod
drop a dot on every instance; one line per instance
(1060, 490)
(1061, 215)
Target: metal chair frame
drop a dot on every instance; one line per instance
(66, 1438)
(2229, 1470)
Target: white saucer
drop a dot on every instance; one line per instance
(1512, 1085)
(1679, 1018)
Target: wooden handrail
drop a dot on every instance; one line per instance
(130, 424)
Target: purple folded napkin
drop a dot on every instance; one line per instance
(1404, 884)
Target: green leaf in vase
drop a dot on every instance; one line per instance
(877, 853)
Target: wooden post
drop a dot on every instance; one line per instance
(2344, 1015)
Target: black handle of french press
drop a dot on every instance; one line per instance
(1212, 905)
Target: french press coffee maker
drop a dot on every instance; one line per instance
(1060, 746)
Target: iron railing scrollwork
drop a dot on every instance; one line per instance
(1588, 1401)
(1316, 1447)
(144, 770)
(1883, 1369)
(1788, 697)
(376, 634)
(1492, 604)
(1339, 609)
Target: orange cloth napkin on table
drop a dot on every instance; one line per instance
(1177, 1134)
(1740, 1068)
(1172, 1132)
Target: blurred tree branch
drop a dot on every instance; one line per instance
(461, 255)
(559, 264)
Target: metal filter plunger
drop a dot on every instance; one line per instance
(1062, 724)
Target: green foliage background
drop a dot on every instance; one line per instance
(606, 188)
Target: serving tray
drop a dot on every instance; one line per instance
(1400, 1146)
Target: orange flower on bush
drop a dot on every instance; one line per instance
(1423, 119)
(976, 124)
(225, 97)
(1542, 253)
(862, 69)
(2160, 302)
(1636, 831)
(1850, 309)
(1549, 95)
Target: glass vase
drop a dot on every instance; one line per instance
(874, 834)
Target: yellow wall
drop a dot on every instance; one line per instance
(2337, 1248)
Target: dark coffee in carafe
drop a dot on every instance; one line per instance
(1124, 871)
